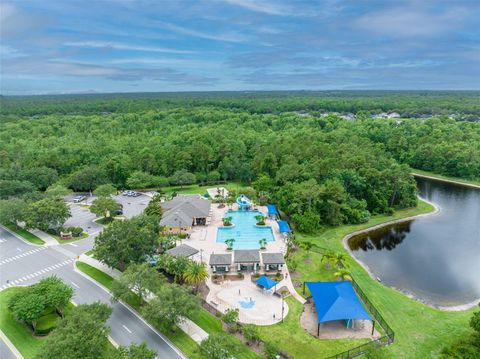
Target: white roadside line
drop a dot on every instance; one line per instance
(74, 284)
(20, 238)
(10, 346)
(165, 339)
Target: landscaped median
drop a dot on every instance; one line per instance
(23, 233)
(202, 318)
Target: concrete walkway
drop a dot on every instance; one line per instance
(48, 239)
(289, 284)
(189, 327)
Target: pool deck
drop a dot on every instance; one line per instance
(225, 295)
(204, 238)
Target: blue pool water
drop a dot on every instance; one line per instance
(245, 232)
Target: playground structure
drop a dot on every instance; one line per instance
(244, 203)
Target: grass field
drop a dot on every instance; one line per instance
(24, 233)
(420, 331)
(19, 334)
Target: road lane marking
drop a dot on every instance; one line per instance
(21, 255)
(128, 330)
(74, 284)
(35, 274)
(74, 245)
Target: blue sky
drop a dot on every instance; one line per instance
(72, 46)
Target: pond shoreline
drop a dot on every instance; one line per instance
(437, 209)
(439, 179)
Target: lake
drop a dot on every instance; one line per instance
(435, 258)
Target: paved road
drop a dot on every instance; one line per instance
(5, 352)
(24, 264)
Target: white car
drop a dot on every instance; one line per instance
(79, 199)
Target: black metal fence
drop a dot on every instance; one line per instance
(386, 339)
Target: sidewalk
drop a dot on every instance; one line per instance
(48, 239)
(288, 283)
(189, 327)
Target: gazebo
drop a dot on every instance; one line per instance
(266, 282)
(337, 301)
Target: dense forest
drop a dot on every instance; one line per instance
(319, 169)
(464, 105)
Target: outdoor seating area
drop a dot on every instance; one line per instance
(337, 309)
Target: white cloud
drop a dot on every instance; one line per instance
(410, 21)
(271, 8)
(7, 52)
(225, 36)
(120, 46)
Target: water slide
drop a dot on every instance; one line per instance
(244, 202)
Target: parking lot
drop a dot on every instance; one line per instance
(82, 217)
(132, 206)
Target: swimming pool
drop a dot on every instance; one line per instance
(245, 231)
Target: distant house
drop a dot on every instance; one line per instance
(185, 211)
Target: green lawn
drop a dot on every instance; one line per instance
(420, 331)
(24, 233)
(290, 337)
(19, 334)
(457, 179)
(66, 241)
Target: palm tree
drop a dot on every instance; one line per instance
(227, 221)
(343, 274)
(229, 242)
(260, 219)
(327, 259)
(263, 243)
(338, 259)
(195, 274)
(307, 245)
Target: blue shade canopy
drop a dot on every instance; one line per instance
(336, 301)
(283, 227)
(266, 282)
(272, 210)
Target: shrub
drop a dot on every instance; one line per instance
(240, 275)
(76, 231)
(271, 351)
(250, 333)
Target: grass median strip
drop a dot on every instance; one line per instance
(30, 237)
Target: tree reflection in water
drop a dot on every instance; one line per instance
(387, 237)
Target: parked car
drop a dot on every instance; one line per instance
(119, 211)
(125, 193)
(79, 199)
(136, 194)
